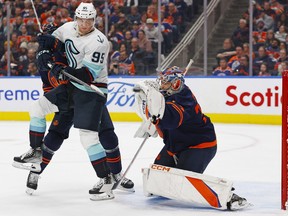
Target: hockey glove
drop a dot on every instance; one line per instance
(155, 104)
(49, 42)
(153, 99)
(43, 58)
(55, 76)
(146, 128)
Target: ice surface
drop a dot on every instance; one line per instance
(250, 155)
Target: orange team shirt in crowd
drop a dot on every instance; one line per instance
(118, 2)
(261, 36)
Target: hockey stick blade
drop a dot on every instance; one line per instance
(132, 161)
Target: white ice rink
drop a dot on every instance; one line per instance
(250, 155)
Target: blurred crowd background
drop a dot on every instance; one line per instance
(133, 35)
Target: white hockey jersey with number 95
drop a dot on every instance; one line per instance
(90, 50)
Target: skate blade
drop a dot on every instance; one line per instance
(236, 206)
(102, 196)
(27, 166)
(121, 188)
(29, 191)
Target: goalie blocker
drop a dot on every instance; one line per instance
(191, 187)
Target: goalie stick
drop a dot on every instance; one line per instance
(188, 66)
(132, 161)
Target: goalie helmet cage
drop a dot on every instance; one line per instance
(284, 181)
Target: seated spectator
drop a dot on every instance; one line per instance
(24, 35)
(234, 61)
(152, 12)
(281, 20)
(282, 58)
(267, 9)
(127, 39)
(246, 50)
(152, 33)
(13, 65)
(144, 43)
(114, 16)
(243, 68)
(282, 67)
(135, 28)
(241, 34)
(22, 57)
(227, 51)
(137, 55)
(65, 16)
(269, 38)
(264, 71)
(177, 21)
(223, 69)
(123, 23)
(181, 8)
(260, 29)
(32, 70)
(281, 34)
(262, 57)
(273, 49)
(134, 15)
(268, 20)
(125, 65)
(283, 46)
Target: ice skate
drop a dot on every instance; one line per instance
(102, 190)
(237, 203)
(30, 160)
(32, 182)
(125, 185)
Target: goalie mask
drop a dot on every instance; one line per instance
(171, 81)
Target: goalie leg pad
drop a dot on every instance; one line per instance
(187, 186)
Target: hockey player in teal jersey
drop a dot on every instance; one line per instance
(87, 51)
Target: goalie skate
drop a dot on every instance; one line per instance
(102, 190)
(237, 203)
(30, 160)
(125, 185)
(32, 183)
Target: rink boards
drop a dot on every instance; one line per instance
(225, 100)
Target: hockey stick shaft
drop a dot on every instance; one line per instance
(188, 66)
(36, 15)
(132, 161)
(91, 87)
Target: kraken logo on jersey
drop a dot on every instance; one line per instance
(71, 50)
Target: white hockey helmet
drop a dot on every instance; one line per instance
(86, 11)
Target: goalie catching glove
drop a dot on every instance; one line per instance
(154, 100)
(150, 107)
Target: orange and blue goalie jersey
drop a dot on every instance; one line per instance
(183, 125)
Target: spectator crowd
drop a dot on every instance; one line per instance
(270, 42)
(132, 31)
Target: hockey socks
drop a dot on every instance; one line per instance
(114, 160)
(97, 158)
(37, 131)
